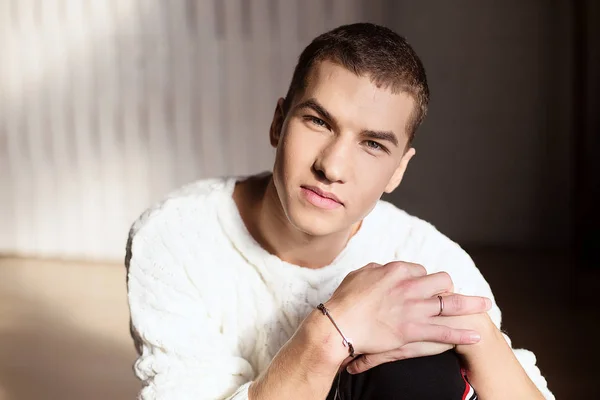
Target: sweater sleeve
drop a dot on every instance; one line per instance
(183, 353)
(469, 280)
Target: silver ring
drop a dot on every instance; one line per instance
(441, 305)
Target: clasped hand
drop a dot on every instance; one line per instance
(392, 312)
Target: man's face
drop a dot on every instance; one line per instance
(341, 146)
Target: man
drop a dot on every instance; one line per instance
(266, 287)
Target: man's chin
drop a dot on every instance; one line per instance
(314, 223)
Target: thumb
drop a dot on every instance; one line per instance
(365, 362)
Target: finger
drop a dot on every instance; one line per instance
(411, 350)
(366, 362)
(347, 361)
(441, 334)
(407, 269)
(457, 304)
(422, 349)
(430, 285)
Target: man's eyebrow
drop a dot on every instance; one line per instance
(314, 105)
(382, 135)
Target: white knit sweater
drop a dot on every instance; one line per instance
(210, 307)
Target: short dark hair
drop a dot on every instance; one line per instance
(372, 50)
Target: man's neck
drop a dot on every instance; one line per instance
(265, 219)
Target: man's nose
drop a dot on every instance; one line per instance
(335, 161)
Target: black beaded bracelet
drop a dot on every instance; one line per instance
(346, 341)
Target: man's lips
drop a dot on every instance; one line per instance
(324, 194)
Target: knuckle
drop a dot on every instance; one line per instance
(394, 264)
(446, 278)
(367, 267)
(446, 335)
(404, 268)
(395, 268)
(387, 270)
(458, 303)
(420, 269)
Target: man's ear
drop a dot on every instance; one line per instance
(277, 123)
(399, 173)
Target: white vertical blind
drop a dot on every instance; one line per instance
(107, 105)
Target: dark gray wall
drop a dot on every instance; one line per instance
(587, 145)
(493, 162)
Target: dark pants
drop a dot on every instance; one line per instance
(435, 377)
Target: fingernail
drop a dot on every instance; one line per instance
(349, 369)
(474, 337)
(488, 303)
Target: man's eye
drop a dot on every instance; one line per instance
(374, 145)
(317, 121)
